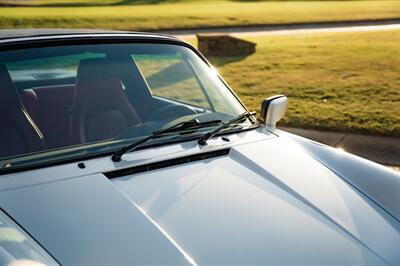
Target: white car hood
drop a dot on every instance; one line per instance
(266, 202)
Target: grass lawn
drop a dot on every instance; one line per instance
(340, 81)
(134, 15)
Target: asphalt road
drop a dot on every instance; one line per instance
(293, 29)
(383, 150)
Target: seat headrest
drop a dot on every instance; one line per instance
(8, 95)
(93, 68)
(95, 83)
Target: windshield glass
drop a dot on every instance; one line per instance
(76, 100)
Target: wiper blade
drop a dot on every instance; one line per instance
(203, 139)
(190, 124)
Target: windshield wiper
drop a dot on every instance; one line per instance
(191, 124)
(203, 139)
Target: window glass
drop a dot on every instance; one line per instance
(171, 77)
(57, 67)
(79, 100)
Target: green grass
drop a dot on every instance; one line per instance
(340, 82)
(134, 15)
(60, 3)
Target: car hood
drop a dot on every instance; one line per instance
(263, 202)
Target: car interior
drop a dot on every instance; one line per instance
(106, 96)
(18, 133)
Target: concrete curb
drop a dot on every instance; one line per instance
(281, 26)
(383, 150)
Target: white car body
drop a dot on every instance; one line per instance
(274, 199)
(266, 197)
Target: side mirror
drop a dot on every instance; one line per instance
(273, 109)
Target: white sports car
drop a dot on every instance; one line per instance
(129, 149)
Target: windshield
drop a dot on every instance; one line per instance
(77, 100)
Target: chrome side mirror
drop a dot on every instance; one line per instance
(273, 109)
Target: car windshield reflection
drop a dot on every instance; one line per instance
(82, 100)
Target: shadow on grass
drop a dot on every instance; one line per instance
(170, 75)
(220, 61)
(66, 3)
(142, 2)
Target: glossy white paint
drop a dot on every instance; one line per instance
(86, 221)
(378, 182)
(276, 111)
(272, 200)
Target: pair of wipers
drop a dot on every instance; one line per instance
(190, 124)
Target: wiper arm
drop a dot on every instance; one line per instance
(203, 139)
(194, 123)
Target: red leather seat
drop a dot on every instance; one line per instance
(18, 132)
(101, 110)
(50, 107)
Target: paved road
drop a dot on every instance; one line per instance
(293, 29)
(384, 150)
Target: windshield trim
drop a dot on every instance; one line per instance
(75, 159)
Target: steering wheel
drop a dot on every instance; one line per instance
(172, 111)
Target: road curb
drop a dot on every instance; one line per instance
(383, 150)
(281, 26)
